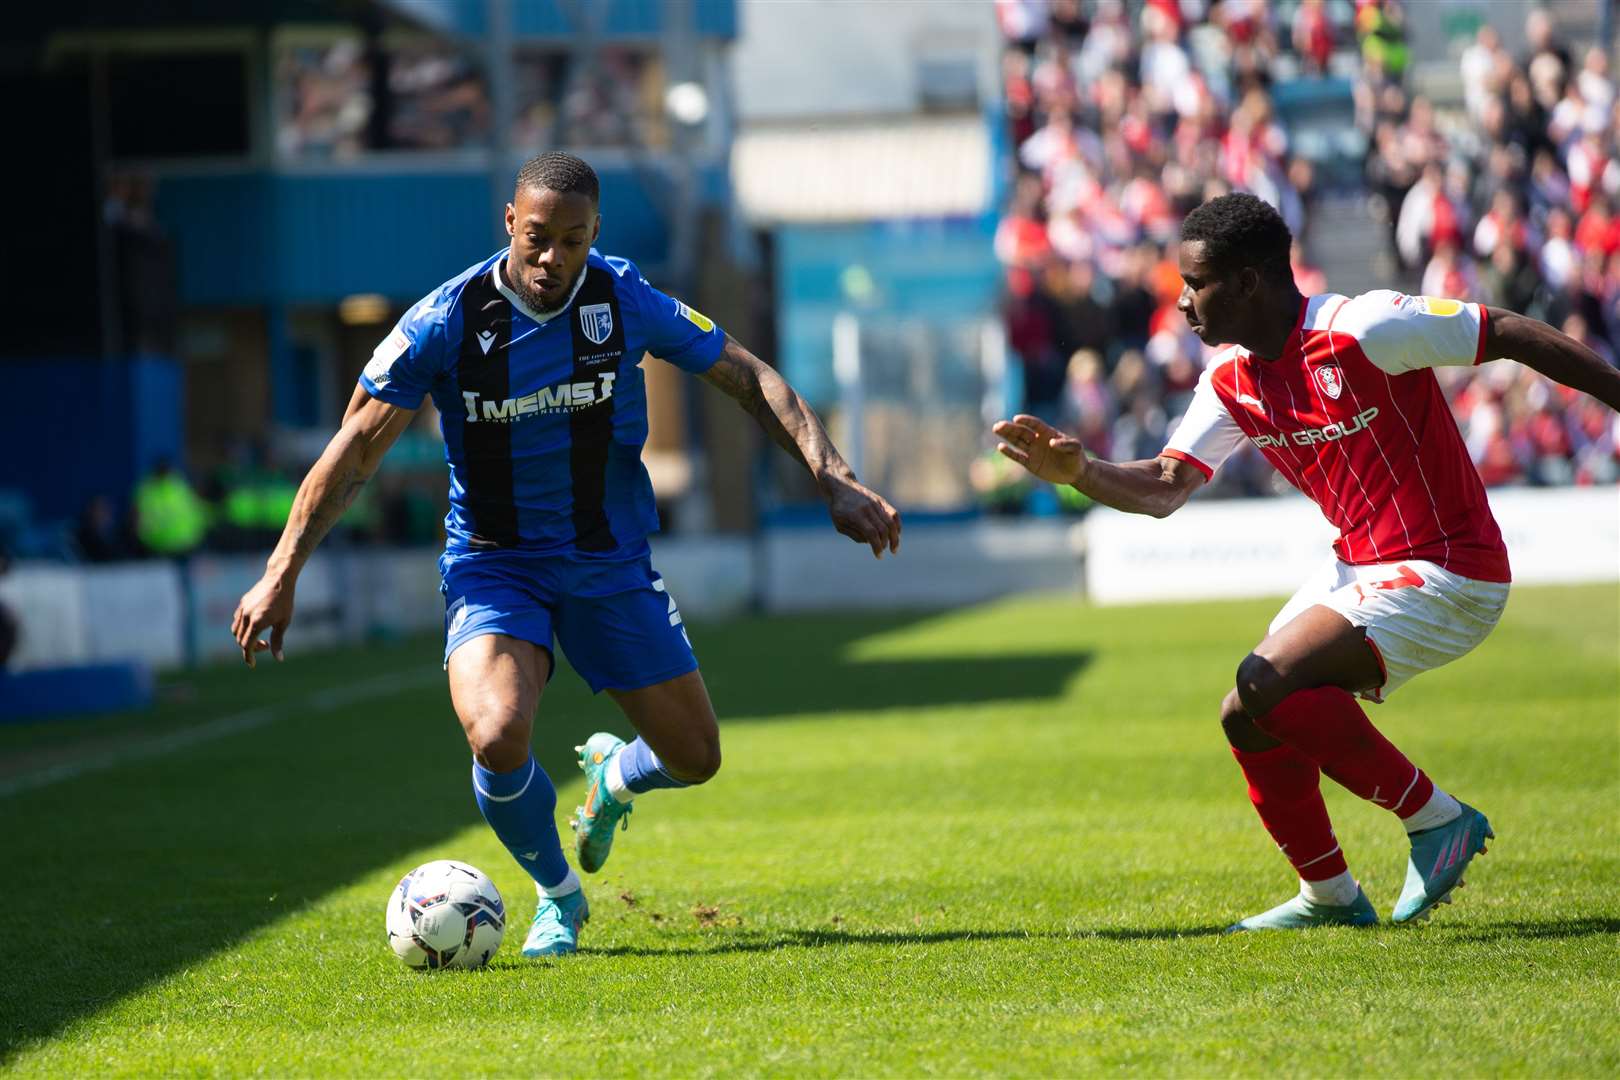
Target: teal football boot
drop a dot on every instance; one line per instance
(556, 926)
(594, 821)
(1439, 857)
(1300, 914)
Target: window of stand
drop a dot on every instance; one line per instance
(615, 101)
(341, 95)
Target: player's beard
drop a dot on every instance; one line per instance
(531, 297)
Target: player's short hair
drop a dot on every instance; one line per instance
(1240, 230)
(557, 171)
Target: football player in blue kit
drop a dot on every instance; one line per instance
(532, 358)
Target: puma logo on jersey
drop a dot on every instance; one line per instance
(564, 397)
(1325, 434)
(1245, 399)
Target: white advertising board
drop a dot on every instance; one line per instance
(47, 602)
(134, 611)
(82, 614)
(1267, 547)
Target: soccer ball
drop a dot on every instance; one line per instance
(445, 914)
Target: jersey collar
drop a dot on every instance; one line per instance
(1294, 346)
(517, 302)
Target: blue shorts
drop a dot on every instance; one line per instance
(615, 622)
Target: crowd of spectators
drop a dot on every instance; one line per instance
(1122, 118)
(1510, 200)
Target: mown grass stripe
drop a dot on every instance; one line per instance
(224, 727)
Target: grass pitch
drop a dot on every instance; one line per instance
(1001, 840)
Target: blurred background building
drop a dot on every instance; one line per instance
(927, 214)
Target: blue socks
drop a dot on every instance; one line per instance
(520, 806)
(641, 769)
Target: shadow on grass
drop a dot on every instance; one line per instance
(152, 866)
(1577, 927)
(809, 670)
(1155, 934)
(768, 941)
(745, 941)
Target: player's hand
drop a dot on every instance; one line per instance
(1041, 448)
(863, 515)
(266, 606)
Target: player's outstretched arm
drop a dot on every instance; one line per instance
(1157, 487)
(1556, 355)
(857, 511)
(369, 429)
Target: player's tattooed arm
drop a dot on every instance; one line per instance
(858, 512)
(350, 459)
(1558, 356)
(785, 416)
(1156, 487)
(318, 508)
(369, 429)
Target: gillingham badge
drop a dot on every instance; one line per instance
(596, 320)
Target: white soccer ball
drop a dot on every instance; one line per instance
(446, 914)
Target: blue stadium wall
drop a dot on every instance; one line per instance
(85, 427)
(546, 18)
(279, 238)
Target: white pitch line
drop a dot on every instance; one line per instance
(225, 726)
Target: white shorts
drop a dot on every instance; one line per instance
(1416, 615)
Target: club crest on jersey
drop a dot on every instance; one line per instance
(1331, 380)
(596, 320)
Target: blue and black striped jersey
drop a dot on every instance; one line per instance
(543, 418)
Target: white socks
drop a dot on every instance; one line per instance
(1440, 809)
(1337, 891)
(567, 885)
(1341, 891)
(614, 778)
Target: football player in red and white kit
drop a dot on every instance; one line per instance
(1337, 392)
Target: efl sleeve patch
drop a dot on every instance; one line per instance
(676, 333)
(697, 319)
(379, 368)
(407, 363)
(1438, 305)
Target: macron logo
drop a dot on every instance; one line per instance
(486, 338)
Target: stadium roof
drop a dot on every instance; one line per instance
(32, 19)
(530, 18)
(862, 170)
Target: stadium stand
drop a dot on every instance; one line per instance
(1508, 198)
(1123, 118)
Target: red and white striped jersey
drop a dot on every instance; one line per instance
(1352, 416)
